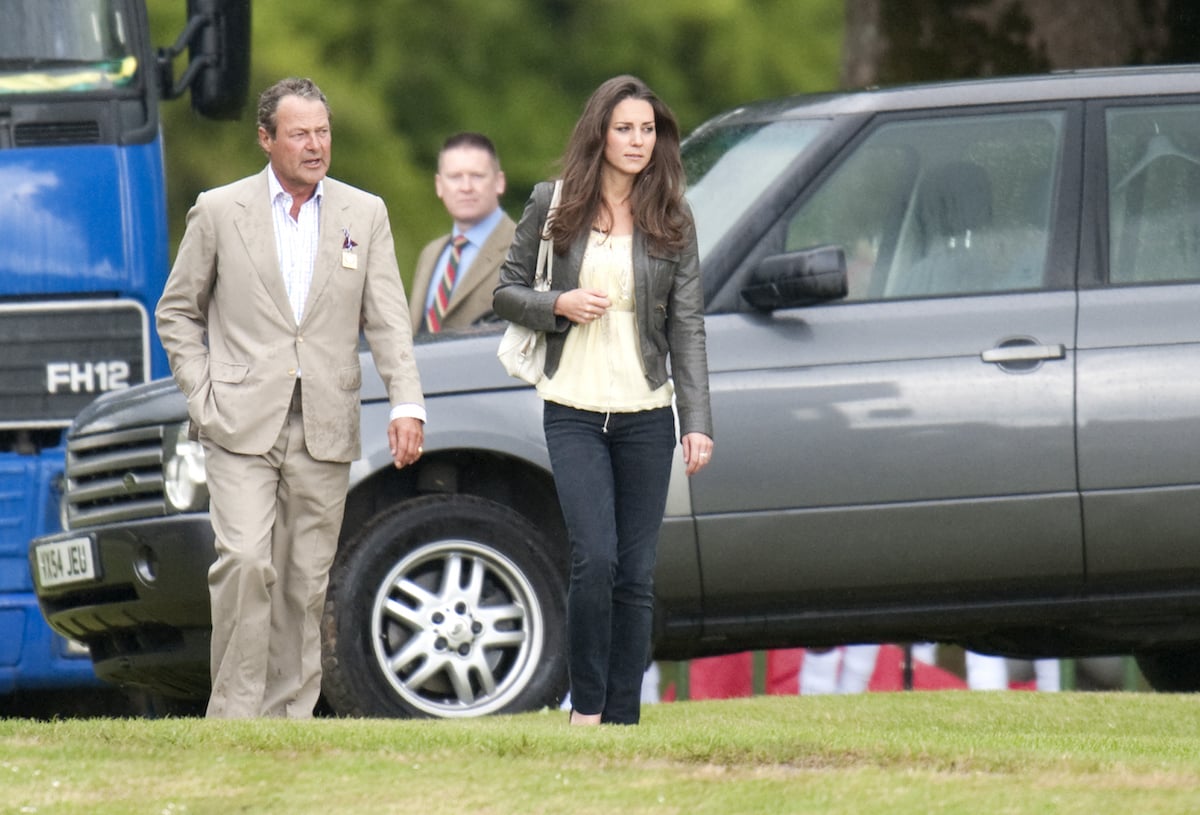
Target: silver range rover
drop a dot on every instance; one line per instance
(954, 340)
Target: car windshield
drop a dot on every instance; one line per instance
(64, 46)
(729, 166)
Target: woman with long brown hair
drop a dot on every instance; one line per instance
(626, 295)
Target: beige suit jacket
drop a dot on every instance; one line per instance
(233, 342)
(472, 297)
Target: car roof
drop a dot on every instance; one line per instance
(1064, 85)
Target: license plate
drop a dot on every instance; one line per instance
(68, 561)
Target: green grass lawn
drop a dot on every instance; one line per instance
(943, 752)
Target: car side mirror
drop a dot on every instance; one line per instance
(217, 37)
(798, 279)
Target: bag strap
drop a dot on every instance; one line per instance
(542, 274)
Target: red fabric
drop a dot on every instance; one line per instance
(731, 676)
(783, 671)
(722, 677)
(889, 673)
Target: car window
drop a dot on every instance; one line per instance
(1154, 193)
(941, 207)
(728, 167)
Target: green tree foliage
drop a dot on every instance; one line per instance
(401, 75)
(890, 42)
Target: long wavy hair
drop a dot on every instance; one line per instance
(657, 197)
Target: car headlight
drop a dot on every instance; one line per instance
(185, 484)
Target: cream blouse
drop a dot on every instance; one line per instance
(601, 367)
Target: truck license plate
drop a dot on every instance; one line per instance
(68, 561)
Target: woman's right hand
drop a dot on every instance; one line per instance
(582, 305)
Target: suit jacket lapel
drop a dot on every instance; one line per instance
(329, 244)
(256, 226)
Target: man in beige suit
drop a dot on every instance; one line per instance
(453, 289)
(260, 319)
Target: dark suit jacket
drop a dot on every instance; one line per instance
(472, 297)
(668, 300)
(232, 339)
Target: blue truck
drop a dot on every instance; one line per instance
(83, 253)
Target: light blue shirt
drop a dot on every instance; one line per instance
(476, 236)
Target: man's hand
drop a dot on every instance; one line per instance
(405, 437)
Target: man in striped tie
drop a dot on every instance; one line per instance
(456, 273)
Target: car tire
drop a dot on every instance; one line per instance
(444, 606)
(1171, 671)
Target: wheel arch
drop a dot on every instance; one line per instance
(508, 480)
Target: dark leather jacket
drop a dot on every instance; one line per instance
(668, 298)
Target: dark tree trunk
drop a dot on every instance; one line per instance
(891, 41)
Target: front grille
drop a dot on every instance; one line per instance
(56, 134)
(59, 356)
(113, 477)
(17, 475)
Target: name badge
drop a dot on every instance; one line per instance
(349, 259)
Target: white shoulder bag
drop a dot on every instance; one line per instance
(522, 350)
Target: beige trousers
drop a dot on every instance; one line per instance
(276, 520)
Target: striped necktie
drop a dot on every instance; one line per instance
(441, 299)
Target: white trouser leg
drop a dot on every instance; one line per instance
(1048, 674)
(819, 671)
(650, 685)
(986, 672)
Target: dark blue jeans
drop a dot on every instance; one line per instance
(611, 472)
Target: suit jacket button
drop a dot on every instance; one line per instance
(291, 371)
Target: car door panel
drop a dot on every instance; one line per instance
(895, 455)
(1139, 348)
(1139, 433)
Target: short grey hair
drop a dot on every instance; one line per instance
(268, 101)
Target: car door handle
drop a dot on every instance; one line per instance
(1024, 353)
